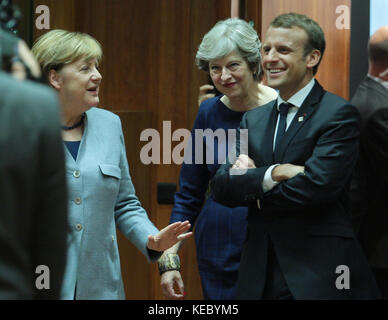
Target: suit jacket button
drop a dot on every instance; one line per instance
(76, 174)
(77, 200)
(78, 227)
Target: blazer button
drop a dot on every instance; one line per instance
(76, 174)
(78, 227)
(77, 200)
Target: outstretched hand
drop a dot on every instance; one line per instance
(169, 236)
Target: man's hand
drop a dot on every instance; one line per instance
(286, 171)
(203, 95)
(244, 162)
(169, 236)
(167, 282)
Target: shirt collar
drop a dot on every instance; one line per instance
(298, 98)
(381, 81)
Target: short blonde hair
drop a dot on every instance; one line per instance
(57, 48)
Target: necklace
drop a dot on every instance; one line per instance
(75, 125)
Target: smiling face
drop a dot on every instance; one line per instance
(287, 67)
(78, 83)
(231, 75)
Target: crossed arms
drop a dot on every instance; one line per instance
(321, 179)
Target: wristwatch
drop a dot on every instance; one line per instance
(168, 262)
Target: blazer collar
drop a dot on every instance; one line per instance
(268, 129)
(302, 116)
(298, 98)
(70, 162)
(376, 85)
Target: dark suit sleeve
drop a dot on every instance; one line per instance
(375, 142)
(371, 166)
(327, 171)
(233, 187)
(51, 224)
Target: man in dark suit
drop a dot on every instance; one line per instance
(301, 150)
(33, 210)
(369, 192)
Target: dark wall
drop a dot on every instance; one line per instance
(358, 42)
(26, 22)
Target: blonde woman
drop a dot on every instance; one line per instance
(101, 194)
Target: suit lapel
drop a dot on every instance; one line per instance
(266, 145)
(369, 82)
(302, 116)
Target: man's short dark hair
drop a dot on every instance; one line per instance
(315, 35)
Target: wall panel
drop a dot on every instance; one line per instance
(62, 15)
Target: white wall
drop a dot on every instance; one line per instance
(378, 14)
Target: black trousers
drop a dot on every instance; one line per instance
(381, 276)
(276, 287)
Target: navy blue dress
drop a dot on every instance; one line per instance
(220, 231)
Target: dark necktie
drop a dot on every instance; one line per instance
(283, 110)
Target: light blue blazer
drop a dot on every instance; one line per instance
(101, 198)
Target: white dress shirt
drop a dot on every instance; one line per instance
(296, 100)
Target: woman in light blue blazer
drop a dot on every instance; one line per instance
(101, 193)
